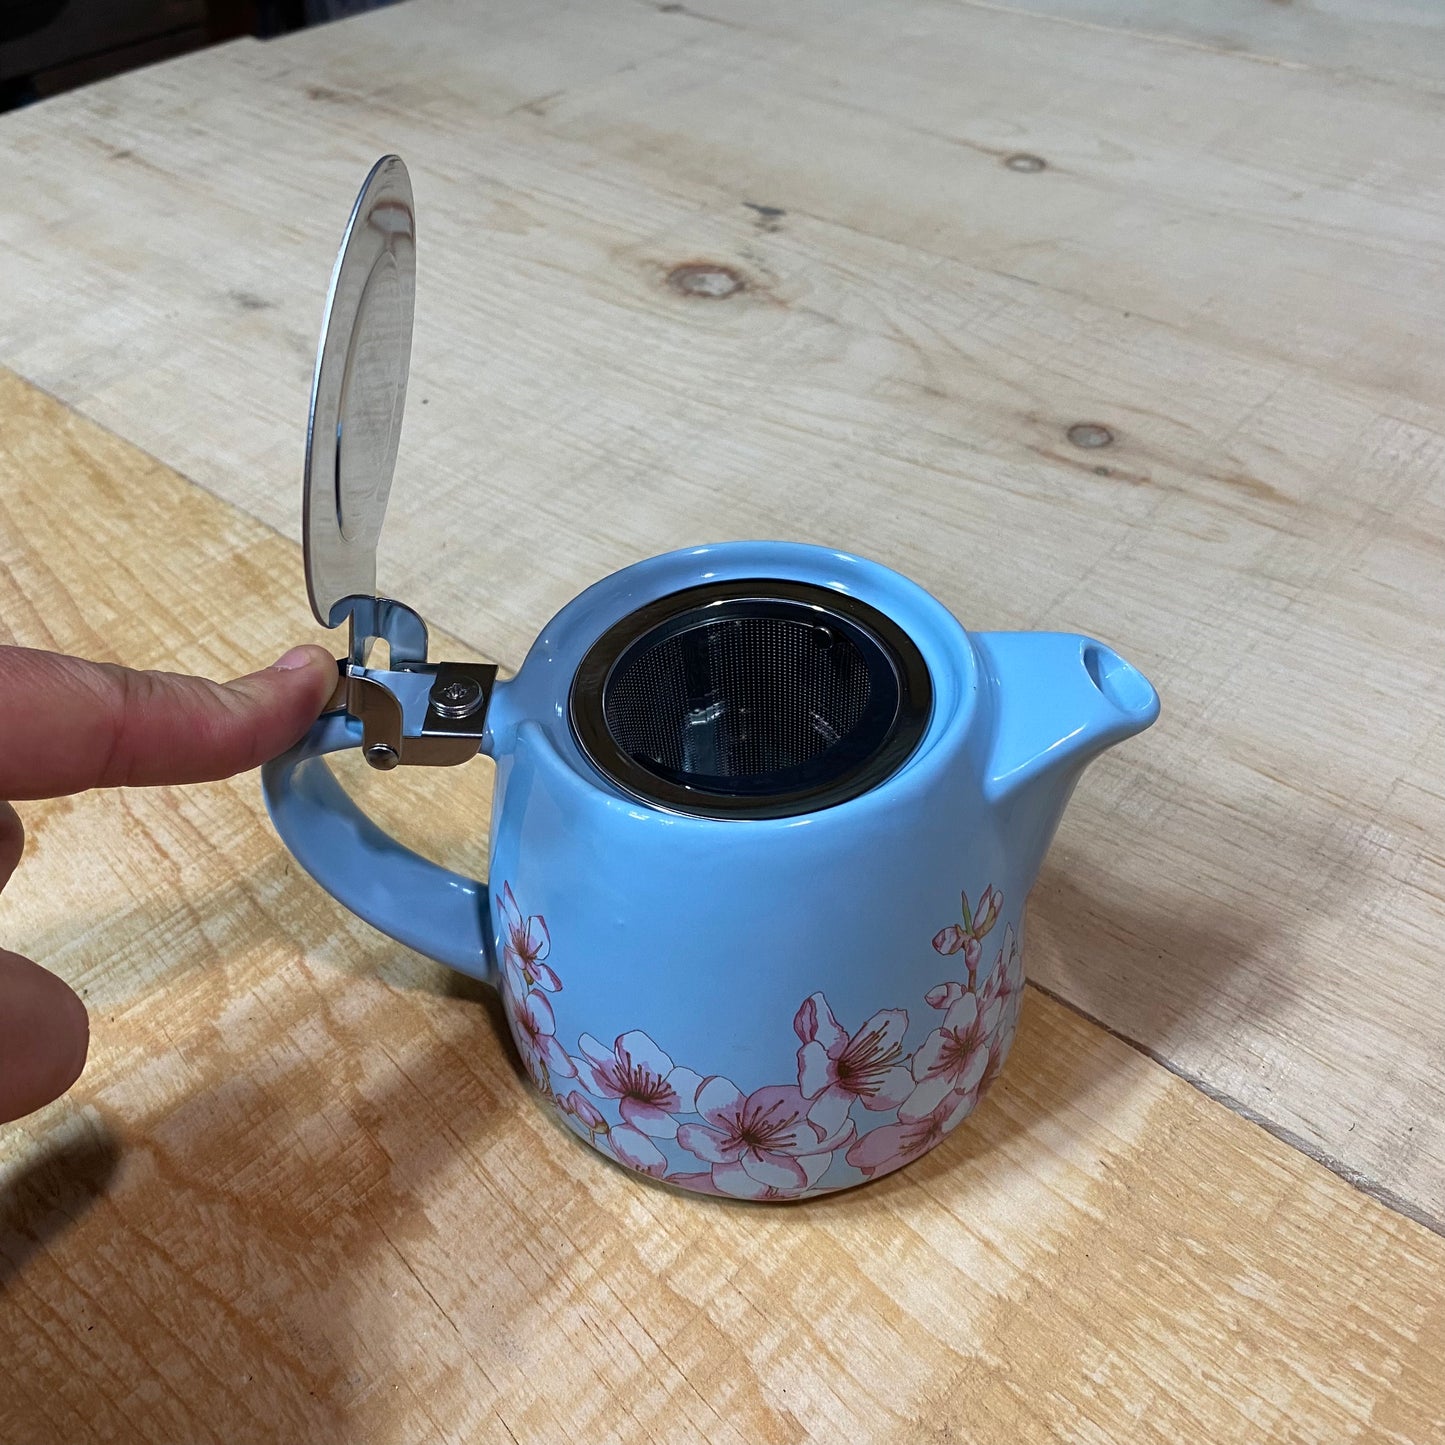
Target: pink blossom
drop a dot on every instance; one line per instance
(697, 1183)
(526, 942)
(622, 1141)
(760, 1139)
(650, 1088)
(743, 1186)
(968, 937)
(945, 995)
(1004, 983)
(834, 1069)
(951, 1060)
(584, 1111)
(636, 1150)
(534, 1026)
(891, 1147)
(954, 939)
(1003, 1036)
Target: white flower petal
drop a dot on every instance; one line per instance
(643, 1053)
(718, 1101)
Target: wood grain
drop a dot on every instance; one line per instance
(1398, 40)
(302, 1191)
(1234, 268)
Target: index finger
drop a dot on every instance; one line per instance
(67, 725)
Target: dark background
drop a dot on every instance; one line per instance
(49, 46)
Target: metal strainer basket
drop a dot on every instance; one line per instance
(751, 699)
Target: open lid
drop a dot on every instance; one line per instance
(358, 393)
(412, 711)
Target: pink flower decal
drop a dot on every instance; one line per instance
(640, 1108)
(744, 1186)
(945, 995)
(890, 1147)
(526, 942)
(586, 1113)
(835, 1069)
(697, 1183)
(650, 1089)
(637, 1151)
(1004, 983)
(758, 1140)
(621, 1141)
(534, 1026)
(951, 1061)
(968, 938)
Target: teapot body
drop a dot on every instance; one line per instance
(764, 1008)
(761, 1007)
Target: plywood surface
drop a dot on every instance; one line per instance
(302, 1192)
(1232, 271)
(1396, 40)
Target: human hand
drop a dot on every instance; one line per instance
(67, 726)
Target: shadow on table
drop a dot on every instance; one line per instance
(51, 1192)
(1153, 968)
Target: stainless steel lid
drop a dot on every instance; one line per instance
(412, 711)
(358, 393)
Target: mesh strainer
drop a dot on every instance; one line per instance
(755, 699)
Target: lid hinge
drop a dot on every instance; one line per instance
(414, 712)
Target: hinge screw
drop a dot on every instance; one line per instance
(459, 697)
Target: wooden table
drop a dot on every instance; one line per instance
(302, 1191)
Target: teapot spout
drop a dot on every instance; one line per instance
(1059, 700)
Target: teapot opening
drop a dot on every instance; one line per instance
(758, 699)
(1122, 684)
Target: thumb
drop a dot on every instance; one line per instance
(70, 725)
(44, 1037)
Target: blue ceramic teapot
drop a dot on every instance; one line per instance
(764, 821)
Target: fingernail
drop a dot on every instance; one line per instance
(289, 662)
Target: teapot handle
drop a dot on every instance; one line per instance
(419, 903)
